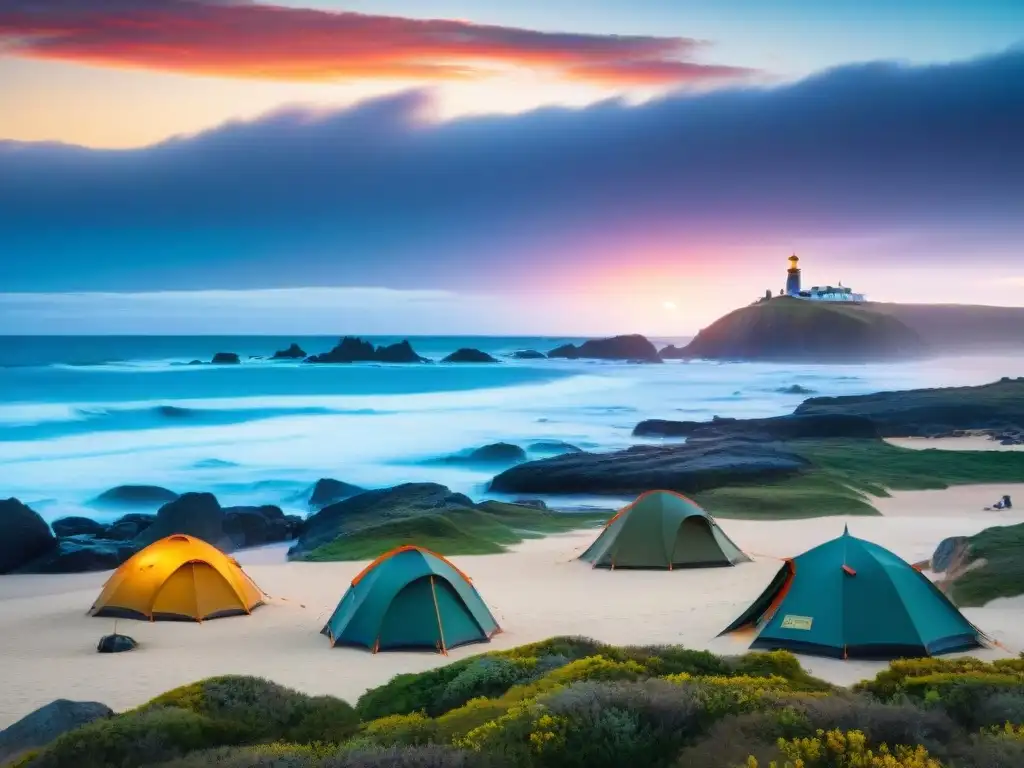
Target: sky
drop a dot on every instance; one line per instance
(526, 166)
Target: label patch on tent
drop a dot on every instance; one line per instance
(797, 622)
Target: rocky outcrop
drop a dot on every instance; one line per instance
(193, 514)
(374, 508)
(552, 447)
(687, 468)
(136, 496)
(773, 428)
(75, 526)
(294, 352)
(469, 355)
(328, 491)
(630, 347)
(81, 554)
(794, 389)
(116, 644)
(495, 453)
(225, 358)
(948, 550)
(354, 350)
(255, 526)
(672, 352)
(991, 408)
(24, 535)
(528, 354)
(128, 527)
(994, 409)
(794, 330)
(41, 727)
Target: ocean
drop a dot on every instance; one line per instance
(81, 414)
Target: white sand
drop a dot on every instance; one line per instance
(970, 442)
(47, 642)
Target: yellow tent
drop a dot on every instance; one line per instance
(179, 577)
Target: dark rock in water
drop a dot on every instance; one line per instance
(193, 514)
(794, 389)
(294, 352)
(495, 453)
(294, 525)
(116, 644)
(213, 464)
(129, 526)
(672, 352)
(686, 468)
(373, 508)
(948, 550)
(75, 526)
(41, 727)
(253, 526)
(631, 347)
(554, 447)
(402, 352)
(24, 535)
(195, 362)
(225, 358)
(328, 490)
(81, 554)
(528, 354)
(468, 355)
(136, 496)
(772, 428)
(354, 350)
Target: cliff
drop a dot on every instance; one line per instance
(796, 330)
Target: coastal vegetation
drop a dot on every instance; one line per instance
(576, 702)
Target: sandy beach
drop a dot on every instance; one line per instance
(47, 642)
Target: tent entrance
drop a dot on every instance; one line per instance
(428, 614)
(762, 609)
(696, 546)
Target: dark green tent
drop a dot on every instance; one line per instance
(851, 598)
(410, 598)
(662, 529)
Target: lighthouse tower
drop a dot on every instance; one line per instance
(793, 276)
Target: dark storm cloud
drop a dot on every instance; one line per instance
(375, 195)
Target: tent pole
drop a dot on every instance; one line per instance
(437, 610)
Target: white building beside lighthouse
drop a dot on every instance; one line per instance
(817, 292)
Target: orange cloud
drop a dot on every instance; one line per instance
(251, 40)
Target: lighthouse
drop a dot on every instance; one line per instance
(793, 276)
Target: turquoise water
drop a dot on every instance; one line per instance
(81, 414)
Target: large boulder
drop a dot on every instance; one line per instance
(352, 349)
(469, 355)
(294, 352)
(327, 490)
(80, 554)
(253, 526)
(494, 453)
(687, 468)
(135, 496)
(528, 354)
(373, 508)
(41, 727)
(127, 527)
(630, 347)
(672, 352)
(193, 514)
(225, 358)
(24, 535)
(948, 551)
(553, 447)
(76, 526)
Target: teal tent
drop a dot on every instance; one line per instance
(662, 529)
(410, 598)
(849, 598)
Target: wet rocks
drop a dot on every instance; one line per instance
(629, 347)
(327, 490)
(24, 535)
(136, 496)
(352, 349)
(225, 358)
(469, 355)
(294, 352)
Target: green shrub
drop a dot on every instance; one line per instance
(401, 730)
(139, 739)
(778, 664)
(904, 673)
(408, 693)
(277, 755)
(485, 676)
(986, 751)
(454, 725)
(730, 741)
